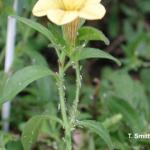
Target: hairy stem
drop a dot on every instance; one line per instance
(78, 86)
(61, 89)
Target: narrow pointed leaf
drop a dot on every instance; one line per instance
(17, 82)
(38, 27)
(32, 129)
(130, 115)
(90, 33)
(98, 129)
(87, 53)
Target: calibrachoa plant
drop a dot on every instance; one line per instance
(70, 39)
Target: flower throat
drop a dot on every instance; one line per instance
(70, 32)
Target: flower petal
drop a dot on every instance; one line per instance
(92, 11)
(61, 17)
(73, 4)
(68, 4)
(93, 1)
(42, 6)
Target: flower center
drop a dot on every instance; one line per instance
(71, 5)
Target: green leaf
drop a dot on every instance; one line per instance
(32, 129)
(57, 33)
(38, 27)
(14, 145)
(124, 87)
(3, 78)
(4, 139)
(46, 86)
(98, 129)
(113, 121)
(36, 58)
(130, 116)
(90, 33)
(21, 79)
(87, 53)
(145, 77)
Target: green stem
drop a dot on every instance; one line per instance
(61, 89)
(78, 86)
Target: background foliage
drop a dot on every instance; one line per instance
(116, 96)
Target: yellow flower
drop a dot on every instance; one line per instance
(63, 12)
